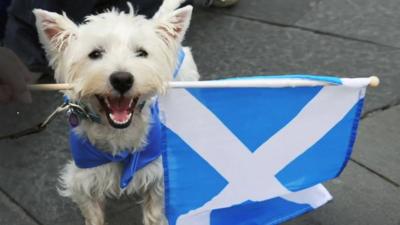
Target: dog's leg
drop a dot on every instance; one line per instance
(149, 183)
(153, 205)
(92, 210)
(81, 186)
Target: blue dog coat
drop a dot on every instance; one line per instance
(86, 155)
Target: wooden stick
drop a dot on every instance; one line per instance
(374, 82)
(50, 87)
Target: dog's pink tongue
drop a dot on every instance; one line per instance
(120, 108)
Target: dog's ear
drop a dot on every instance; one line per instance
(174, 25)
(167, 7)
(55, 31)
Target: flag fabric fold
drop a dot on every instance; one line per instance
(256, 155)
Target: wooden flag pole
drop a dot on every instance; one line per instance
(50, 87)
(374, 82)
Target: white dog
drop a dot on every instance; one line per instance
(116, 61)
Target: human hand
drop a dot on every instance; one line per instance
(14, 76)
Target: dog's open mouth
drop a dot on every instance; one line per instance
(118, 110)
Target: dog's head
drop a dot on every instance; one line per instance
(114, 59)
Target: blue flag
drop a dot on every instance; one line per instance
(256, 155)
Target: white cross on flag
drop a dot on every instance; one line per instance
(255, 150)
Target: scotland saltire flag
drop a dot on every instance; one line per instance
(254, 151)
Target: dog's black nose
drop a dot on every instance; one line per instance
(122, 81)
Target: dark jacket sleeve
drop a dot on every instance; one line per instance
(21, 35)
(3, 16)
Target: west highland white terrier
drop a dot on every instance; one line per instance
(115, 61)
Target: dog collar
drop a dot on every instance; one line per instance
(86, 155)
(78, 111)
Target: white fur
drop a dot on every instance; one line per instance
(119, 34)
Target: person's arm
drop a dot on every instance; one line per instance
(14, 77)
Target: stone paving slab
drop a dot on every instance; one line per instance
(224, 46)
(378, 144)
(374, 20)
(12, 214)
(131, 215)
(275, 11)
(359, 198)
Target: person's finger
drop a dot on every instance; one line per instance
(13, 70)
(5, 94)
(28, 78)
(15, 74)
(24, 97)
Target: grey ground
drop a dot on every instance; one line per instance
(349, 38)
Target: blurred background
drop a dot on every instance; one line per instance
(347, 38)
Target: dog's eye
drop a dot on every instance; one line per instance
(141, 53)
(96, 54)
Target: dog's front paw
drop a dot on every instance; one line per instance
(164, 222)
(153, 221)
(94, 222)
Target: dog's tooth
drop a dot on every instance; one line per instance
(130, 103)
(129, 116)
(120, 122)
(107, 103)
